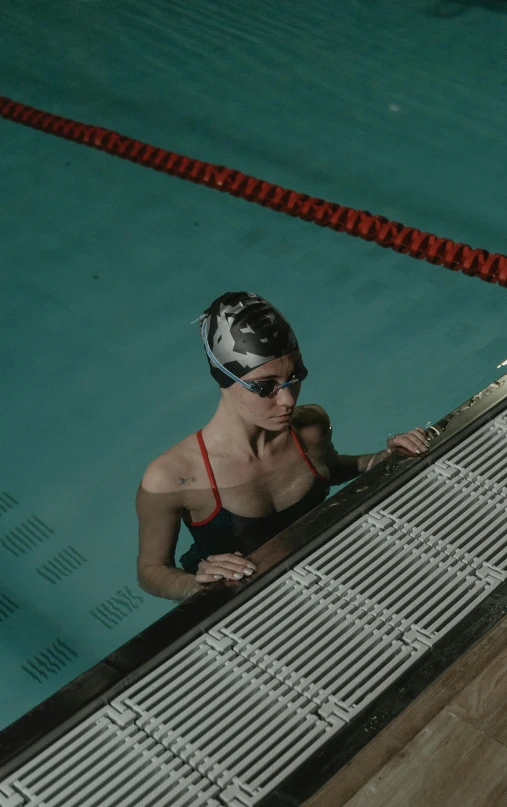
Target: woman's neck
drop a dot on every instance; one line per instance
(231, 432)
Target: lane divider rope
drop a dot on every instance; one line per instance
(491, 267)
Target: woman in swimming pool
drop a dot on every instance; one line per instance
(258, 465)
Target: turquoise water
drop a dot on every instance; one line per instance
(394, 107)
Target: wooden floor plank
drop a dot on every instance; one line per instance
(448, 764)
(340, 788)
(483, 703)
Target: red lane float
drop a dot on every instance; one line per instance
(480, 263)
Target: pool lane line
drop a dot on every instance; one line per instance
(491, 267)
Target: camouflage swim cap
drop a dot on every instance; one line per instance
(244, 331)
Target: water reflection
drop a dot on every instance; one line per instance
(443, 424)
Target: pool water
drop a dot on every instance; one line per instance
(389, 106)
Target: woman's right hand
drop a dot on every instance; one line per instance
(229, 566)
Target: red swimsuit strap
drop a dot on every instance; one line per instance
(212, 480)
(306, 458)
(211, 475)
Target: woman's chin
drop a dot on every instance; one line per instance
(280, 422)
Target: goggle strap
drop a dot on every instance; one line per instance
(214, 359)
(249, 385)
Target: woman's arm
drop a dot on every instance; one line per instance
(159, 513)
(343, 468)
(159, 508)
(315, 422)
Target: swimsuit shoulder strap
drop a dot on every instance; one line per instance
(306, 458)
(211, 477)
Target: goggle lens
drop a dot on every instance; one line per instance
(266, 388)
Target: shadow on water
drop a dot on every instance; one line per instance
(456, 8)
(439, 9)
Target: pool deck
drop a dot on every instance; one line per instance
(448, 747)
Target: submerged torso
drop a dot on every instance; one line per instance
(217, 529)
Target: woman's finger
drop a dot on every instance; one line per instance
(417, 443)
(212, 576)
(231, 561)
(422, 441)
(231, 571)
(420, 434)
(411, 444)
(204, 578)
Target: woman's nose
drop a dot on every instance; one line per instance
(286, 396)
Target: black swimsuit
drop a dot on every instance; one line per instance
(224, 531)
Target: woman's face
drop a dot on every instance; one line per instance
(275, 411)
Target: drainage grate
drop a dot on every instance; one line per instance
(106, 763)
(339, 653)
(484, 454)
(233, 714)
(237, 724)
(410, 583)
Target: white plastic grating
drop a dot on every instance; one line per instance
(484, 454)
(338, 653)
(410, 583)
(105, 762)
(225, 716)
(229, 717)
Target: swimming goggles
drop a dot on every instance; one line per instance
(264, 389)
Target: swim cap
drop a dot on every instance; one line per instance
(244, 331)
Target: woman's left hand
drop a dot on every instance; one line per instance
(410, 444)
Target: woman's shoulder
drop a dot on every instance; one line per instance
(165, 472)
(313, 422)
